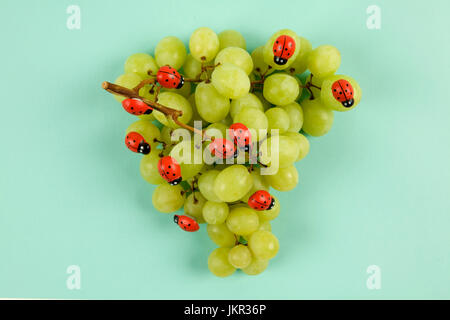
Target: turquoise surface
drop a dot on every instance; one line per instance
(374, 191)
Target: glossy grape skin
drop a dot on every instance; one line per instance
(194, 207)
(215, 212)
(237, 56)
(268, 49)
(204, 44)
(254, 119)
(242, 221)
(326, 94)
(259, 65)
(232, 183)
(240, 256)
(170, 51)
(220, 235)
(287, 151)
(231, 38)
(141, 63)
(230, 81)
(263, 245)
(281, 89)
(259, 183)
(184, 153)
(185, 90)
(218, 263)
(206, 185)
(249, 100)
(295, 114)
(149, 168)
(267, 215)
(147, 130)
(266, 104)
(302, 142)
(167, 198)
(317, 119)
(127, 80)
(192, 68)
(278, 119)
(285, 179)
(324, 61)
(211, 105)
(300, 63)
(177, 102)
(256, 267)
(217, 130)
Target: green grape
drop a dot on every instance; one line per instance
(231, 38)
(174, 101)
(278, 119)
(263, 244)
(254, 119)
(215, 212)
(302, 142)
(266, 215)
(242, 221)
(193, 68)
(211, 106)
(167, 198)
(259, 183)
(218, 263)
(206, 185)
(249, 100)
(184, 153)
(295, 113)
(147, 130)
(232, 183)
(324, 61)
(195, 115)
(204, 44)
(281, 89)
(330, 101)
(285, 179)
(317, 119)
(147, 117)
(141, 63)
(170, 51)
(228, 121)
(286, 150)
(240, 256)
(237, 56)
(259, 66)
(127, 80)
(216, 130)
(230, 81)
(268, 49)
(166, 135)
(300, 63)
(265, 225)
(185, 90)
(266, 104)
(149, 168)
(220, 235)
(193, 206)
(256, 267)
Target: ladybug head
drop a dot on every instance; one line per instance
(175, 219)
(148, 111)
(181, 82)
(348, 103)
(247, 148)
(143, 148)
(175, 182)
(280, 61)
(272, 204)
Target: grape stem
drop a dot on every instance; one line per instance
(308, 85)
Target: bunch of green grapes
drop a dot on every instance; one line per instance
(251, 114)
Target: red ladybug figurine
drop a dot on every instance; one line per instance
(261, 200)
(136, 143)
(186, 223)
(136, 107)
(241, 136)
(343, 92)
(169, 78)
(170, 170)
(283, 49)
(222, 148)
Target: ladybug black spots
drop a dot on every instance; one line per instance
(167, 80)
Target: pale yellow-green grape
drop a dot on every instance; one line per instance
(254, 119)
(230, 81)
(228, 121)
(231, 38)
(259, 66)
(345, 87)
(170, 51)
(242, 221)
(192, 68)
(215, 212)
(149, 168)
(166, 135)
(287, 151)
(237, 56)
(249, 100)
(185, 90)
(281, 89)
(174, 101)
(127, 80)
(141, 63)
(148, 92)
(300, 63)
(266, 104)
(240, 256)
(184, 153)
(204, 44)
(265, 225)
(193, 206)
(211, 105)
(216, 130)
(218, 263)
(268, 49)
(284, 180)
(278, 119)
(256, 267)
(317, 119)
(302, 142)
(266, 215)
(147, 130)
(220, 235)
(206, 185)
(323, 61)
(147, 117)
(195, 115)
(167, 198)
(317, 82)
(259, 183)
(263, 244)
(295, 113)
(233, 183)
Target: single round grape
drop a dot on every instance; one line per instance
(254, 119)
(278, 119)
(184, 153)
(263, 244)
(215, 212)
(328, 99)
(240, 256)
(256, 267)
(265, 225)
(295, 113)
(285, 179)
(149, 168)
(147, 130)
(300, 63)
(167, 198)
(286, 151)
(259, 66)
(259, 183)
(218, 263)
(237, 56)
(185, 90)
(302, 142)
(232, 183)
(170, 51)
(127, 80)
(266, 215)
(204, 44)
(242, 221)
(317, 119)
(141, 63)
(211, 105)
(249, 100)
(220, 235)
(231, 38)
(281, 89)
(206, 185)
(195, 115)
(193, 206)
(268, 49)
(230, 81)
(323, 61)
(174, 101)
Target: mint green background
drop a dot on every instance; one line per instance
(375, 190)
